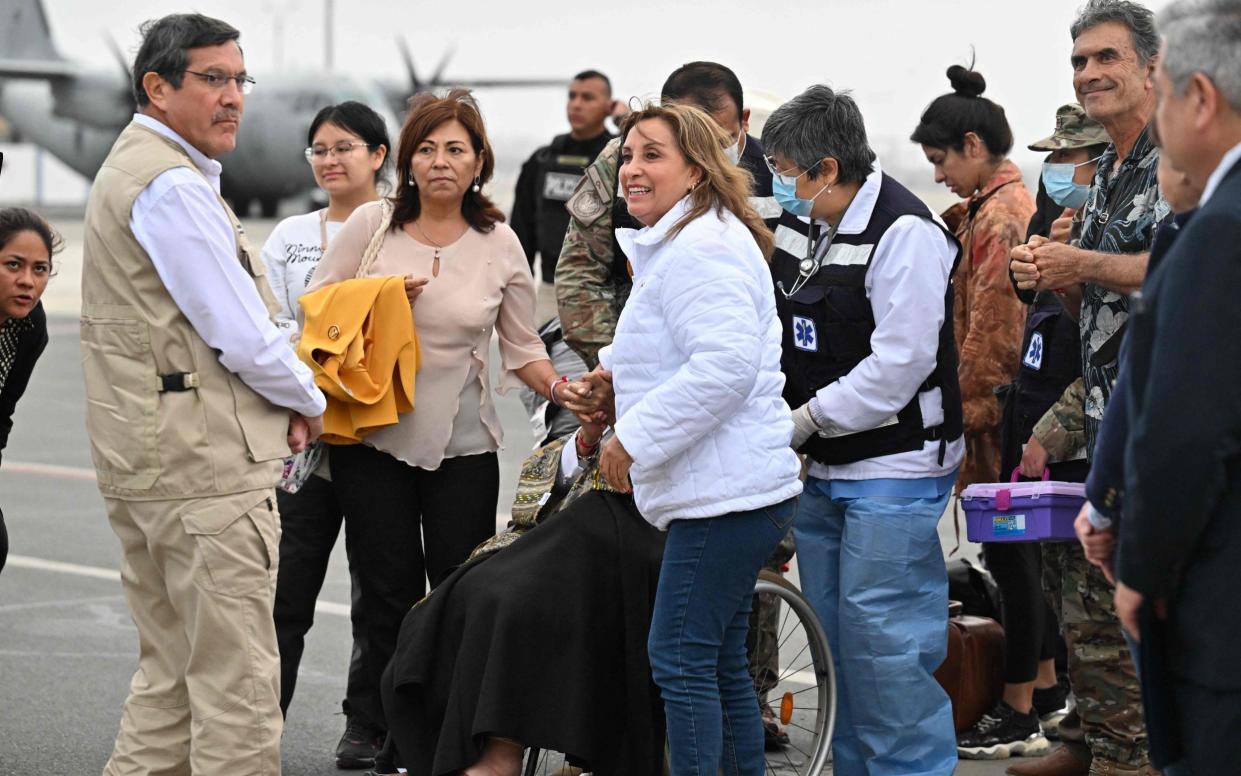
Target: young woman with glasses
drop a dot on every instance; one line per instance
(348, 152)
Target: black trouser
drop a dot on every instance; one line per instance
(405, 525)
(310, 523)
(1031, 633)
(1208, 721)
(4, 541)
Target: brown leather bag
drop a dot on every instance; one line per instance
(973, 672)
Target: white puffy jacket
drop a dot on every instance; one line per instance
(696, 369)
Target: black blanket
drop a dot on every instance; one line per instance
(543, 643)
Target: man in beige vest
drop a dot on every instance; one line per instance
(193, 399)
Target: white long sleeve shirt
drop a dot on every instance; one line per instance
(905, 283)
(177, 219)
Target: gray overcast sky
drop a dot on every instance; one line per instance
(891, 53)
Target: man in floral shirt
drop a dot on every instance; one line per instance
(1114, 51)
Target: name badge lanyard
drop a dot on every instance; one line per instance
(808, 267)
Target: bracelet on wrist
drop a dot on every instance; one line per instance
(551, 389)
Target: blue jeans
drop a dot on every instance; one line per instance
(874, 571)
(697, 640)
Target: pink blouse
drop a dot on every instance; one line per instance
(484, 284)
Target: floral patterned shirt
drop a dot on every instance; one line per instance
(1124, 210)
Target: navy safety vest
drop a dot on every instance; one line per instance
(828, 325)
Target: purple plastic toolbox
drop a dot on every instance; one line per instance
(1022, 511)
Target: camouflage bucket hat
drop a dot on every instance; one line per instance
(1074, 129)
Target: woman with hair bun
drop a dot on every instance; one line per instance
(27, 244)
(966, 138)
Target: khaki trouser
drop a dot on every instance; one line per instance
(200, 576)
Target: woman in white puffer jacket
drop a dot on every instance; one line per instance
(701, 426)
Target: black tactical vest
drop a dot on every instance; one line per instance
(828, 324)
(559, 174)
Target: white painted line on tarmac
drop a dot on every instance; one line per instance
(50, 470)
(98, 572)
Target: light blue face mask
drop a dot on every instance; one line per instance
(784, 189)
(1063, 190)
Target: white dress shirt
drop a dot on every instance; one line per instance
(1217, 177)
(178, 220)
(905, 284)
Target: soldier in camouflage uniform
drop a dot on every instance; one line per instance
(593, 282)
(1114, 44)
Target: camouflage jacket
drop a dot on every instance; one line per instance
(988, 318)
(1062, 429)
(588, 295)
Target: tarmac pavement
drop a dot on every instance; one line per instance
(67, 645)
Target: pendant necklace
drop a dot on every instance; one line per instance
(435, 265)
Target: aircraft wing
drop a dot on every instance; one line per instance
(39, 69)
(398, 94)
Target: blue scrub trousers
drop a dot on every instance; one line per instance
(874, 571)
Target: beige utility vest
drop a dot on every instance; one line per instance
(219, 437)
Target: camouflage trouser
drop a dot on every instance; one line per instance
(1101, 671)
(762, 644)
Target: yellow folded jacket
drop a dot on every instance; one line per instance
(359, 341)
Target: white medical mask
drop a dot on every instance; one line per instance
(734, 151)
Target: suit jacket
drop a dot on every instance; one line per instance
(1181, 534)
(30, 347)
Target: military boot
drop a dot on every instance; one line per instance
(1101, 767)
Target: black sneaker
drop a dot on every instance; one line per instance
(1052, 704)
(1003, 733)
(359, 745)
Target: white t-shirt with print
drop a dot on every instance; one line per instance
(291, 254)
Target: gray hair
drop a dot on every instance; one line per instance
(818, 123)
(1204, 36)
(166, 43)
(1137, 17)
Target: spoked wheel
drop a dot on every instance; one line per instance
(804, 694)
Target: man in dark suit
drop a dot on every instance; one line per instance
(1180, 537)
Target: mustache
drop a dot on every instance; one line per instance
(227, 114)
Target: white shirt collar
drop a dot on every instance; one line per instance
(1226, 164)
(209, 167)
(649, 236)
(857, 216)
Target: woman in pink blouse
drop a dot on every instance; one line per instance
(420, 495)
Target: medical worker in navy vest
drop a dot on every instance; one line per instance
(862, 271)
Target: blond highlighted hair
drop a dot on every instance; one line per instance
(724, 185)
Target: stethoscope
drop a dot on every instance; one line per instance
(810, 266)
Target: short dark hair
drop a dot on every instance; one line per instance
(949, 117)
(1137, 17)
(15, 220)
(705, 84)
(361, 120)
(166, 43)
(816, 124)
(588, 74)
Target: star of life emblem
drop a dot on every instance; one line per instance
(1034, 354)
(805, 335)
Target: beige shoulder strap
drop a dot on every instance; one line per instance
(377, 239)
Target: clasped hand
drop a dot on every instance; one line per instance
(1042, 264)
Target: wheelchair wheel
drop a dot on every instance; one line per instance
(803, 694)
